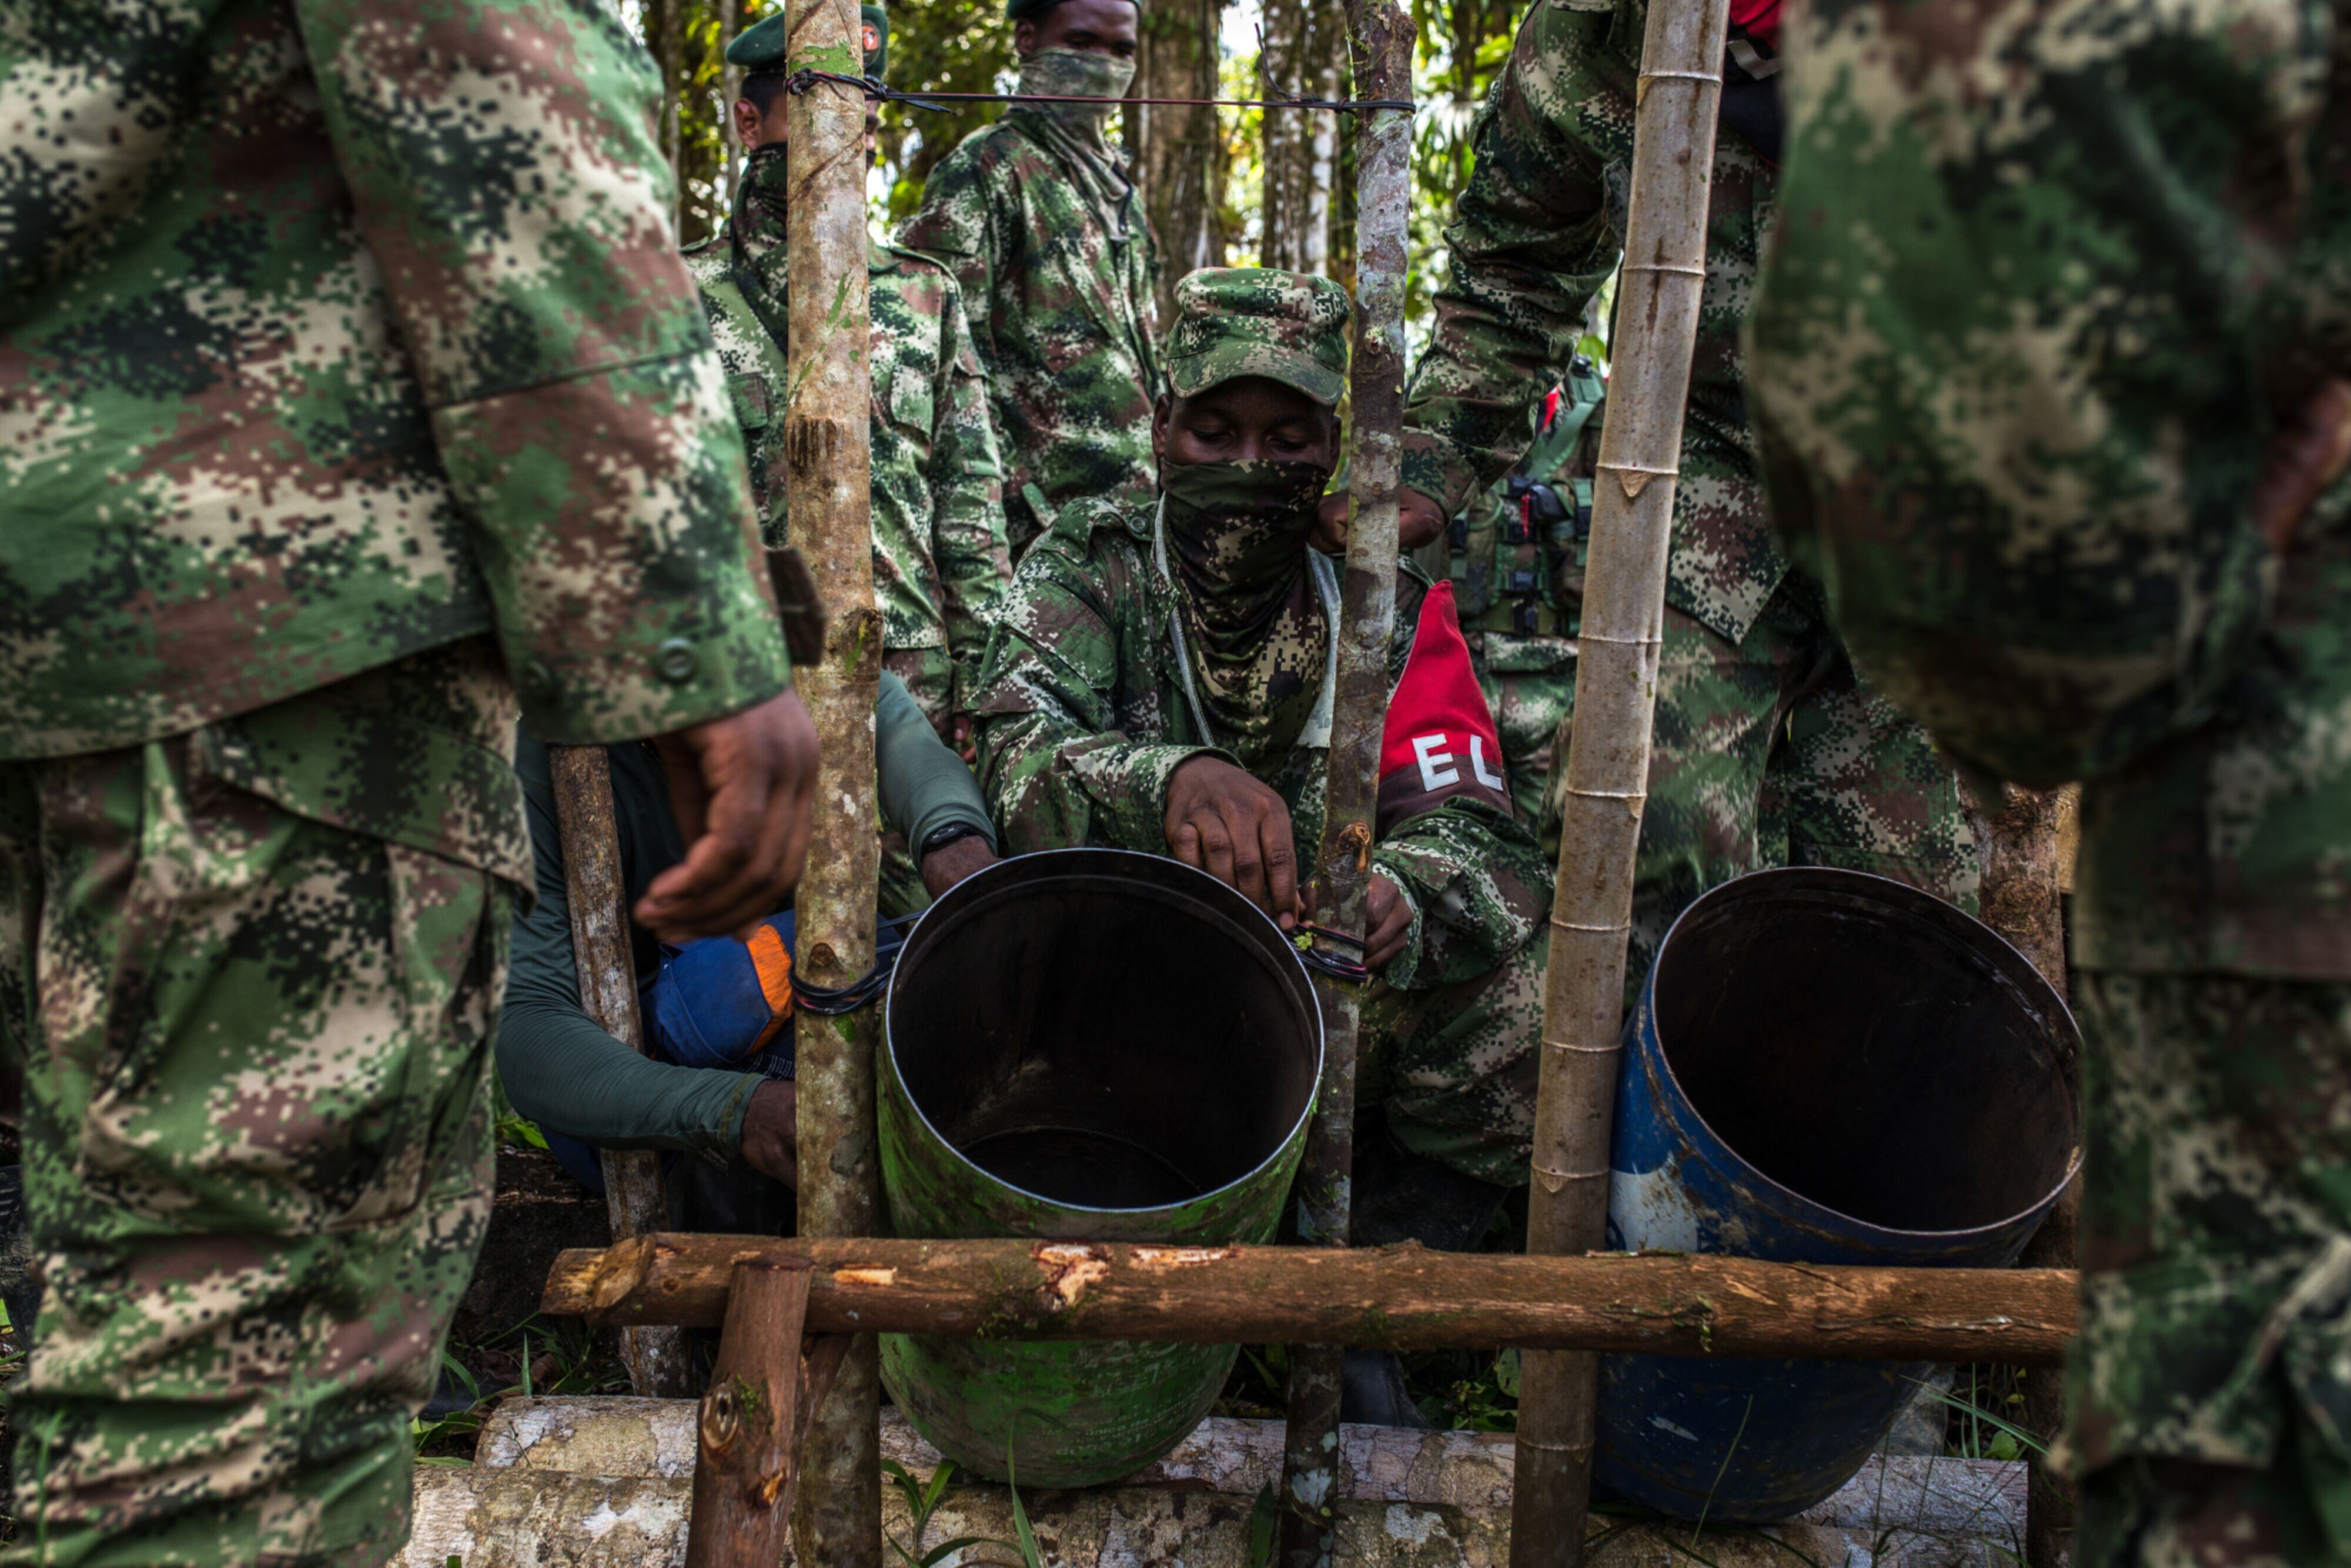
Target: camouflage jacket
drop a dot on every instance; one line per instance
(2023, 477)
(1058, 265)
(338, 330)
(939, 560)
(1539, 230)
(1082, 719)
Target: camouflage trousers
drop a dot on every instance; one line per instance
(1529, 689)
(1453, 1067)
(2211, 1387)
(250, 974)
(1770, 752)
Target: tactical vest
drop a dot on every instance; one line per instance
(1520, 547)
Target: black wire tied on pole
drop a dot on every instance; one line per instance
(1314, 944)
(831, 1002)
(801, 81)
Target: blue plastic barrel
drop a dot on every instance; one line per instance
(1824, 1067)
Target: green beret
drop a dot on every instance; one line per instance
(762, 45)
(1289, 327)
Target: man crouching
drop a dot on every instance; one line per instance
(1159, 679)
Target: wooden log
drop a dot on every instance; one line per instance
(827, 500)
(1397, 1297)
(1340, 887)
(592, 883)
(749, 1425)
(1664, 272)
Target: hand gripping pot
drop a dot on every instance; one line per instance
(1087, 1045)
(1824, 1067)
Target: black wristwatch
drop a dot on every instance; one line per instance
(941, 837)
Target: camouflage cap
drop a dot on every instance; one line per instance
(1289, 327)
(762, 45)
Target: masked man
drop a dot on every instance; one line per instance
(1039, 219)
(1160, 680)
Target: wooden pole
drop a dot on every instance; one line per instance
(1395, 1298)
(1608, 747)
(2018, 840)
(745, 1459)
(655, 1357)
(826, 450)
(1343, 864)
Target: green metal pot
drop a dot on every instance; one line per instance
(1087, 1045)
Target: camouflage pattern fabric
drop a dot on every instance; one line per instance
(1538, 230)
(939, 560)
(1765, 748)
(1083, 718)
(2024, 477)
(248, 975)
(1234, 321)
(1044, 230)
(339, 329)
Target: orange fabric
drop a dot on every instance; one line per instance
(773, 962)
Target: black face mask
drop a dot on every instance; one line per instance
(1257, 630)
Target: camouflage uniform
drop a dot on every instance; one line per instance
(939, 560)
(1768, 750)
(1043, 228)
(311, 312)
(1106, 673)
(2024, 474)
(1518, 576)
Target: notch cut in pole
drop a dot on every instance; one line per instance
(582, 777)
(827, 446)
(1608, 747)
(1340, 888)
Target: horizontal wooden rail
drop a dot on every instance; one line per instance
(1402, 1298)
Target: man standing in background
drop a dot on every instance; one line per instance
(1769, 749)
(1037, 218)
(350, 376)
(2050, 367)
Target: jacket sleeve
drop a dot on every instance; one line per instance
(505, 180)
(924, 784)
(1057, 770)
(2028, 506)
(1531, 242)
(966, 480)
(960, 224)
(1480, 887)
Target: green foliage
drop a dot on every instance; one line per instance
(921, 1501)
(938, 46)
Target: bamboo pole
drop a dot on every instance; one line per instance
(592, 885)
(745, 1459)
(1342, 865)
(1608, 747)
(2018, 841)
(1395, 1298)
(826, 450)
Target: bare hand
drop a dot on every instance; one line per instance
(950, 864)
(1222, 820)
(959, 737)
(739, 787)
(1387, 921)
(1419, 521)
(771, 1130)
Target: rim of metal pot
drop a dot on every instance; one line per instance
(1869, 884)
(1281, 941)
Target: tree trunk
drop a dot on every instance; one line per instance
(592, 886)
(1608, 747)
(826, 454)
(1397, 1297)
(665, 24)
(1179, 152)
(2020, 900)
(1341, 883)
(1305, 57)
(746, 1427)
